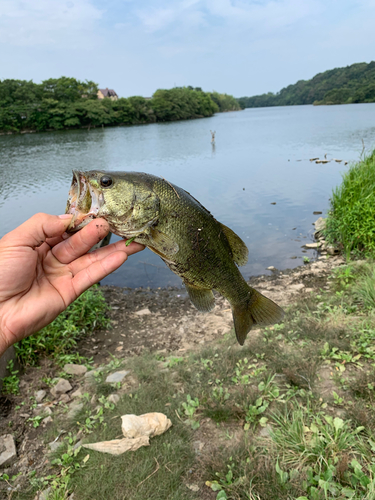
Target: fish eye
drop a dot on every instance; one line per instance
(106, 181)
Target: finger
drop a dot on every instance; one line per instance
(97, 271)
(81, 242)
(86, 260)
(37, 229)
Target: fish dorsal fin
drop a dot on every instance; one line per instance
(162, 243)
(201, 298)
(239, 249)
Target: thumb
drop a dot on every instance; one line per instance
(37, 229)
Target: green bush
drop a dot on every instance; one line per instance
(60, 337)
(351, 220)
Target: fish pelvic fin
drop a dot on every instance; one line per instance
(201, 298)
(256, 310)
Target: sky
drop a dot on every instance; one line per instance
(239, 47)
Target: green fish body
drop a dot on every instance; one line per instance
(174, 225)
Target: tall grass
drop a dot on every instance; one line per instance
(351, 221)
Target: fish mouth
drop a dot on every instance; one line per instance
(84, 202)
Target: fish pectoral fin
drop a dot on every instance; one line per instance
(161, 243)
(258, 310)
(239, 249)
(201, 298)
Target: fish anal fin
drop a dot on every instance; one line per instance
(162, 243)
(239, 249)
(201, 298)
(256, 310)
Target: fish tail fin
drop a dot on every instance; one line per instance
(255, 310)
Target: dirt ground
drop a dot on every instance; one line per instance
(156, 320)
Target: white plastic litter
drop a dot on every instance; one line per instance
(137, 431)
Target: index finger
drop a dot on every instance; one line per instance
(81, 242)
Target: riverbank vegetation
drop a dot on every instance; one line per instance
(351, 220)
(65, 103)
(351, 84)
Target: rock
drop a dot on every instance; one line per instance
(54, 445)
(265, 432)
(332, 250)
(198, 447)
(296, 287)
(271, 268)
(73, 369)
(64, 398)
(47, 420)
(195, 487)
(40, 395)
(143, 312)
(42, 410)
(113, 398)
(117, 376)
(43, 495)
(311, 245)
(61, 387)
(77, 394)
(320, 224)
(92, 373)
(74, 409)
(7, 450)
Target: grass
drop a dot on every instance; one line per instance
(288, 416)
(350, 222)
(60, 337)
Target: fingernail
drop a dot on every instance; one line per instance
(65, 216)
(65, 236)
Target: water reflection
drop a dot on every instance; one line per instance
(262, 158)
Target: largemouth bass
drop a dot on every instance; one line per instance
(174, 225)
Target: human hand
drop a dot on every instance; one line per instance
(42, 272)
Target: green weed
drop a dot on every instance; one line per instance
(350, 221)
(12, 381)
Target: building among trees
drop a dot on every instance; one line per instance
(102, 93)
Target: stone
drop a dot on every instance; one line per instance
(311, 245)
(40, 395)
(43, 495)
(73, 369)
(54, 445)
(117, 376)
(195, 487)
(92, 373)
(271, 268)
(64, 398)
(113, 398)
(74, 409)
(296, 287)
(42, 410)
(332, 250)
(143, 312)
(320, 224)
(77, 394)
(47, 420)
(61, 387)
(7, 450)
(266, 431)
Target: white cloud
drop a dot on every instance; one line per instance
(48, 23)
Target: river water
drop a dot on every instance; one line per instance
(261, 157)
